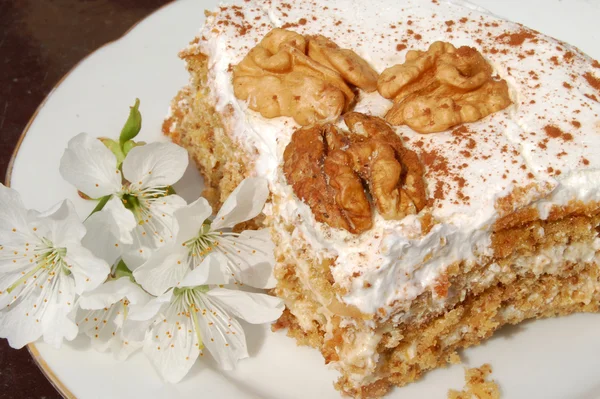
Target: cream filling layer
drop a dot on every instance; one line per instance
(393, 263)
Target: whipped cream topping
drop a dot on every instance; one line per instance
(540, 150)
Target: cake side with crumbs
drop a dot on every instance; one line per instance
(484, 211)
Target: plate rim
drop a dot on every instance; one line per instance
(39, 361)
(32, 348)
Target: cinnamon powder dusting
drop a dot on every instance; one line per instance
(515, 39)
(569, 55)
(436, 164)
(592, 80)
(435, 161)
(439, 169)
(439, 190)
(555, 133)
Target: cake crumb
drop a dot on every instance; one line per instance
(476, 385)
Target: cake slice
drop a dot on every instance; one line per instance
(433, 171)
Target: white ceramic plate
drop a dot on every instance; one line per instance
(558, 358)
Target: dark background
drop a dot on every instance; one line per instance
(40, 41)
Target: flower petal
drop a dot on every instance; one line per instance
(99, 325)
(158, 221)
(59, 325)
(172, 345)
(60, 224)
(6, 298)
(135, 256)
(212, 270)
(244, 203)
(164, 269)
(15, 262)
(142, 316)
(41, 307)
(250, 257)
(18, 328)
(119, 220)
(42, 292)
(122, 348)
(88, 270)
(156, 227)
(148, 310)
(190, 219)
(155, 165)
(103, 323)
(90, 167)
(253, 307)
(134, 330)
(222, 335)
(112, 292)
(103, 328)
(13, 218)
(109, 230)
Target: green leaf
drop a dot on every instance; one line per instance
(100, 204)
(128, 145)
(133, 125)
(123, 271)
(116, 149)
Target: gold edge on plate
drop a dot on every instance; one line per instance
(48, 373)
(33, 350)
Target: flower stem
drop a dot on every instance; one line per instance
(100, 205)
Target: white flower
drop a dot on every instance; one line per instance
(139, 215)
(193, 316)
(102, 312)
(246, 257)
(43, 266)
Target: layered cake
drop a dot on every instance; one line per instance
(433, 171)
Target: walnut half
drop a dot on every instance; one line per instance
(442, 87)
(306, 78)
(329, 169)
(310, 160)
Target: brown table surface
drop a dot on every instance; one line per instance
(40, 41)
